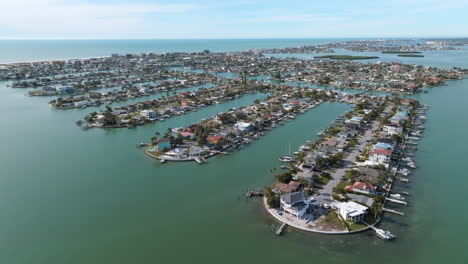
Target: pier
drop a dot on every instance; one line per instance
(396, 201)
(392, 211)
(383, 234)
(280, 229)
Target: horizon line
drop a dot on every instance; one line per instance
(246, 38)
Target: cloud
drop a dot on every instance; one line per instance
(298, 18)
(48, 18)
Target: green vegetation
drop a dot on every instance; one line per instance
(410, 55)
(273, 200)
(323, 178)
(345, 57)
(284, 177)
(400, 52)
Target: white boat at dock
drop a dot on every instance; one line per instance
(397, 196)
(304, 147)
(384, 234)
(286, 159)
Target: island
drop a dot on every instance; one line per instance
(345, 57)
(411, 55)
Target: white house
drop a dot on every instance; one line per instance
(149, 114)
(195, 151)
(380, 156)
(176, 153)
(144, 90)
(65, 89)
(295, 203)
(352, 211)
(393, 129)
(243, 126)
(80, 104)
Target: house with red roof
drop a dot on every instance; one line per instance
(214, 139)
(380, 156)
(361, 187)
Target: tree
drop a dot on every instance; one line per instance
(284, 177)
(272, 199)
(179, 140)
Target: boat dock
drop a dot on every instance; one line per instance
(402, 192)
(200, 160)
(383, 234)
(396, 201)
(405, 180)
(392, 211)
(280, 229)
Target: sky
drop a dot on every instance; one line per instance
(200, 19)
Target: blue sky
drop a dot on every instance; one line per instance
(183, 19)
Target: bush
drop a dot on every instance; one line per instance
(284, 177)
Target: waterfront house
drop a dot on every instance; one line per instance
(65, 89)
(361, 187)
(362, 199)
(282, 188)
(214, 139)
(294, 203)
(380, 156)
(393, 129)
(243, 126)
(176, 153)
(163, 143)
(352, 211)
(369, 175)
(149, 114)
(80, 104)
(189, 135)
(381, 145)
(195, 151)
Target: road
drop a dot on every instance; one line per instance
(324, 195)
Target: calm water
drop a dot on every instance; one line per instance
(73, 196)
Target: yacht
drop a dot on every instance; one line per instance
(384, 234)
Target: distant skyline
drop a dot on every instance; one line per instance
(208, 19)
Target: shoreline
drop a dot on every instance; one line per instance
(289, 223)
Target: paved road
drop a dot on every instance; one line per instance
(324, 195)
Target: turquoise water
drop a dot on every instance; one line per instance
(74, 196)
(34, 50)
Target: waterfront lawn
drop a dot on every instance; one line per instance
(356, 226)
(331, 221)
(155, 153)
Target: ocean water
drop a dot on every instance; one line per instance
(36, 50)
(74, 196)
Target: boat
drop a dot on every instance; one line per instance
(384, 234)
(303, 147)
(163, 161)
(141, 144)
(296, 152)
(397, 196)
(284, 167)
(286, 159)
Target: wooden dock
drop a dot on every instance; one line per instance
(397, 201)
(392, 211)
(280, 229)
